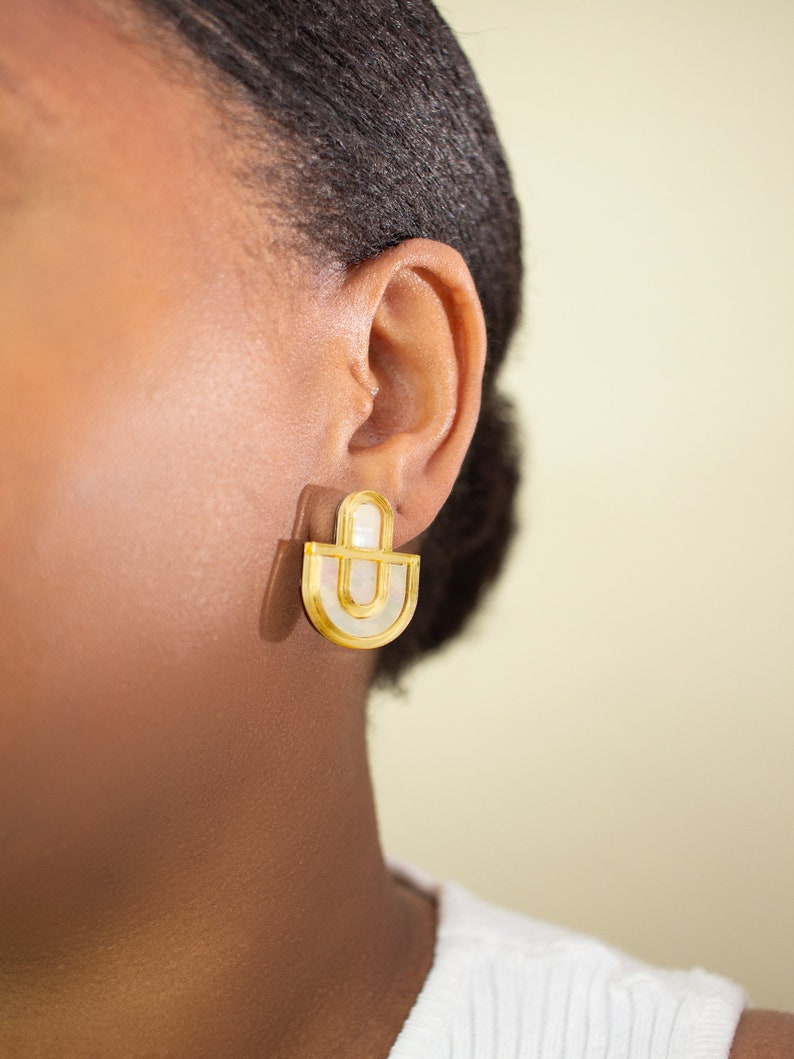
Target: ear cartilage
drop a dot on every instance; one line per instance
(357, 592)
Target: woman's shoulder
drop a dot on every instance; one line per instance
(508, 985)
(764, 1035)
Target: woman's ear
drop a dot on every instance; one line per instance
(419, 351)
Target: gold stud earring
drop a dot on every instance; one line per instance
(358, 592)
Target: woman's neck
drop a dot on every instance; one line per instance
(271, 927)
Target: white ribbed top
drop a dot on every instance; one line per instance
(503, 986)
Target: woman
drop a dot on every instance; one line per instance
(253, 257)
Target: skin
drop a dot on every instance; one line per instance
(186, 816)
(187, 823)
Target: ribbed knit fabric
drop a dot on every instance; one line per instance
(503, 986)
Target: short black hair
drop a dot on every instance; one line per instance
(386, 136)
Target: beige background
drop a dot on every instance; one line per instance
(613, 746)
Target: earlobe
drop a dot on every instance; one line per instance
(425, 351)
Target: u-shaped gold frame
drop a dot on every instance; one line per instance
(346, 554)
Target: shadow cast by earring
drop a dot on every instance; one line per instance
(281, 606)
